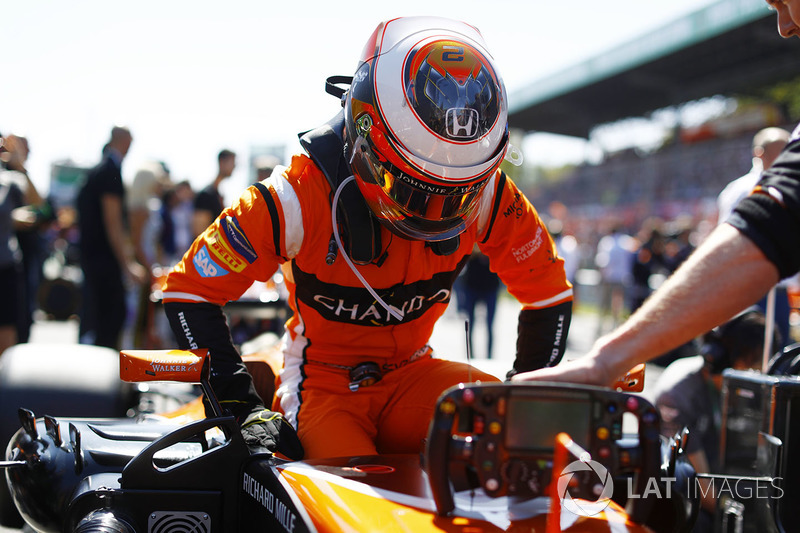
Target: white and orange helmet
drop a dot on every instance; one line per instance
(425, 125)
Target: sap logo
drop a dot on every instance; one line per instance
(206, 266)
(462, 122)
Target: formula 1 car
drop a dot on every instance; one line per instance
(499, 457)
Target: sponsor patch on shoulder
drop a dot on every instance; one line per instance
(206, 266)
(529, 248)
(224, 252)
(238, 240)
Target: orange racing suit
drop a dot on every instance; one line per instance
(285, 222)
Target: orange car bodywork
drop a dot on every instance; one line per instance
(391, 494)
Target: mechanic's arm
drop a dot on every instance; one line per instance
(736, 265)
(724, 275)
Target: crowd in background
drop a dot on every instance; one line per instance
(616, 266)
(632, 220)
(65, 261)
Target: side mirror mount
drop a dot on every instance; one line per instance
(632, 381)
(184, 366)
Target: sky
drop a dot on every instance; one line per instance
(192, 77)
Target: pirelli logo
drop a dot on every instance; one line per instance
(220, 249)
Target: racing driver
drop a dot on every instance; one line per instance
(411, 164)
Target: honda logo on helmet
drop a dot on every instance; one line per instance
(462, 122)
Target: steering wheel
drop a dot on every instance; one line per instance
(503, 434)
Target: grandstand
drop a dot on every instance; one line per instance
(728, 49)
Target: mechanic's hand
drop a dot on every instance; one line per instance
(585, 370)
(265, 429)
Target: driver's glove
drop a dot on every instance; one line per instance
(264, 429)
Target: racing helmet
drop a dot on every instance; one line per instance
(425, 125)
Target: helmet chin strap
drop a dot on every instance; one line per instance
(338, 239)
